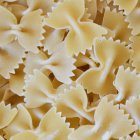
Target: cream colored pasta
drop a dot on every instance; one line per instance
(69, 70)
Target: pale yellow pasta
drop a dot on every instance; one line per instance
(28, 32)
(134, 137)
(133, 20)
(81, 34)
(52, 39)
(69, 70)
(7, 52)
(127, 6)
(56, 63)
(136, 50)
(16, 82)
(44, 5)
(118, 27)
(43, 93)
(110, 54)
(127, 83)
(47, 129)
(132, 107)
(110, 122)
(74, 103)
(7, 114)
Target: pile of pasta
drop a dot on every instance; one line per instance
(69, 69)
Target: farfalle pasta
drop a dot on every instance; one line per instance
(28, 32)
(108, 124)
(74, 103)
(69, 70)
(45, 130)
(80, 32)
(110, 54)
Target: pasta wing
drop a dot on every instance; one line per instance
(21, 122)
(7, 22)
(127, 83)
(110, 54)
(7, 114)
(73, 103)
(43, 92)
(81, 34)
(31, 31)
(7, 53)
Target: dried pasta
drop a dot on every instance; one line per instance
(69, 70)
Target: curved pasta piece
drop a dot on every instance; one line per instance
(33, 61)
(127, 83)
(134, 137)
(59, 64)
(38, 113)
(26, 135)
(136, 57)
(28, 31)
(132, 107)
(110, 122)
(51, 131)
(16, 82)
(126, 6)
(7, 53)
(119, 27)
(17, 10)
(21, 122)
(74, 103)
(56, 63)
(47, 129)
(133, 20)
(7, 114)
(91, 6)
(110, 54)
(44, 5)
(81, 34)
(43, 92)
(52, 39)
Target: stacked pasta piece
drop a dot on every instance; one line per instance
(69, 69)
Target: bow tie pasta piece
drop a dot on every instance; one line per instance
(47, 129)
(132, 107)
(117, 27)
(73, 103)
(43, 92)
(134, 137)
(60, 65)
(44, 5)
(110, 54)
(7, 52)
(134, 21)
(28, 31)
(21, 122)
(67, 15)
(127, 6)
(127, 83)
(7, 114)
(136, 47)
(110, 122)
